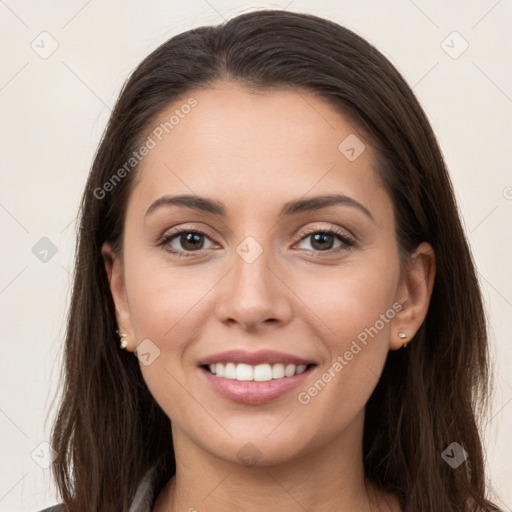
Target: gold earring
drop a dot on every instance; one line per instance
(403, 336)
(123, 337)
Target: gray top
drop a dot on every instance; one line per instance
(141, 502)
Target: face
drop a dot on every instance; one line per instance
(254, 272)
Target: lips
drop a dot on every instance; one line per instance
(254, 358)
(252, 389)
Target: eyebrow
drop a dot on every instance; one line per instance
(290, 208)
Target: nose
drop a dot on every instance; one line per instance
(253, 294)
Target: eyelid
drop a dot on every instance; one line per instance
(344, 236)
(168, 235)
(347, 241)
(335, 230)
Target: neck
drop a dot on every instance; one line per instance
(324, 479)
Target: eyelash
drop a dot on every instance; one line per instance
(347, 242)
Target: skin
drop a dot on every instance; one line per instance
(254, 151)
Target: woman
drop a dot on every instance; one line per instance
(269, 227)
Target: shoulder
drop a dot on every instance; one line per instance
(141, 502)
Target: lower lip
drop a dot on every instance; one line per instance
(254, 393)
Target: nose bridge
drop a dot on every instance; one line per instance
(253, 293)
(251, 266)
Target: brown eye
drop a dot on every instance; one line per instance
(324, 240)
(185, 241)
(191, 241)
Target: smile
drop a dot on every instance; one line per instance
(258, 373)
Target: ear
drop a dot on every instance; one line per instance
(414, 293)
(114, 269)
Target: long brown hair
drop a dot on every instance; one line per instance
(109, 430)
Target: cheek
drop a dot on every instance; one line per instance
(350, 299)
(165, 304)
(354, 307)
(163, 299)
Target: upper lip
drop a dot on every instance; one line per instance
(254, 358)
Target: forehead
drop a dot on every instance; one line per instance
(255, 148)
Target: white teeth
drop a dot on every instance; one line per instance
(289, 370)
(244, 372)
(230, 371)
(258, 373)
(300, 369)
(262, 372)
(278, 371)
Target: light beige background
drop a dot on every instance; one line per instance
(54, 109)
